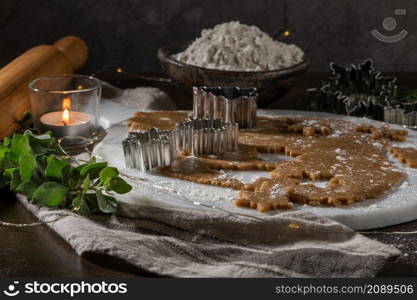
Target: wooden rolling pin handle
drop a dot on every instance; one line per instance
(65, 56)
(74, 49)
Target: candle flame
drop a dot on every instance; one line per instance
(65, 117)
(66, 106)
(66, 103)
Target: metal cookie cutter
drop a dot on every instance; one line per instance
(206, 137)
(355, 89)
(230, 104)
(404, 114)
(145, 150)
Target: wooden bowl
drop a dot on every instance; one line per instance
(271, 85)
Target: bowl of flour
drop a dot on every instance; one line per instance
(234, 54)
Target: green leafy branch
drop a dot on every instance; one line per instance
(398, 97)
(35, 166)
(409, 96)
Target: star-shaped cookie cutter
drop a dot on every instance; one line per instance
(145, 150)
(148, 149)
(230, 104)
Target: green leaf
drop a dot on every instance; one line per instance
(39, 149)
(44, 139)
(73, 178)
(43, 144)
(91, 199)
(86, 184)
(119, 186)
(91, 161)
(50, 194)
(4, 162)
(39, 174)
(27, 166)
(66, 173)
(9, 172)
(55, 167)
(15, 178)
(27, 188)
(30, 165)
(107, 204)
(107, 174)
(19, 146)
(93, 169)
(26, 117)
(80, 205)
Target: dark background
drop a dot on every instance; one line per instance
(127, 33)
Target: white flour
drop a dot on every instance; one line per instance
(145, 98)
(237, 47)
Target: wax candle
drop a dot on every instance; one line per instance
(69, 107)
(67, 123)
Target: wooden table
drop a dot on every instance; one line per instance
(40, 252)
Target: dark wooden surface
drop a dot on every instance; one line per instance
(40, 252)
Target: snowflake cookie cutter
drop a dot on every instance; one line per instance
(355, 89)
(359, 90)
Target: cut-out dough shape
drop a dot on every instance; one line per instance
(406, 156)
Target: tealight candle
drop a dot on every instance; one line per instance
(68, 106)
(67, 123)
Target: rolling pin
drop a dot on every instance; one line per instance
(64, 57)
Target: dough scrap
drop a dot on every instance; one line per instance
(246, 158)
(263, 201)
(162, 119)
(195, 170)
(406, 156)
(383, 132)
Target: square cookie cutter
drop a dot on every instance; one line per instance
(230, 104)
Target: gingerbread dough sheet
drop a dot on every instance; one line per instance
(396, 206)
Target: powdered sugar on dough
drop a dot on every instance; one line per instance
(399, 205)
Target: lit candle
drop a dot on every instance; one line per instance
(67, 122)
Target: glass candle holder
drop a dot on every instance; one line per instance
(68, 106)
